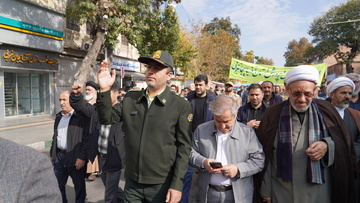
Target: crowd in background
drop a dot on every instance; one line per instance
(261, 143)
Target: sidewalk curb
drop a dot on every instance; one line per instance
(40, 145)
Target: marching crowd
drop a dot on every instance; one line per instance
(264, 143)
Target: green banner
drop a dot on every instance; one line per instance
(245, 71)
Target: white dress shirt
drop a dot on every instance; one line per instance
(62, 130)
(341, 111)
(220, 179)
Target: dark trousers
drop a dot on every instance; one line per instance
(111, 179)
(187, 185)
(137, 192)
(62, 174)
(357, 186)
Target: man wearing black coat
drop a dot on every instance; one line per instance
(106, 141)
(69, 147)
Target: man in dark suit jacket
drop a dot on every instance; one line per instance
(26, 175)
(200, 100)
(270, 97)
(69, 147)
(340, 91)
(106, 141)
(251, 113)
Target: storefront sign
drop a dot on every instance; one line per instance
(27, 58)
(20, 26)
(127, 64)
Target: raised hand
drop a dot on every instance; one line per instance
(105, 80)
(76, 89)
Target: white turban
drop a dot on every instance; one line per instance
(303, 72)
(339, 82)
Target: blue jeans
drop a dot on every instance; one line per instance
(62, 174)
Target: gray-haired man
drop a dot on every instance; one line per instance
(235, 146)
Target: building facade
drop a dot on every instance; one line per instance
(31, 39)
(334, 67)
(41, 51)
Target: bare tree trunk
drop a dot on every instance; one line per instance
(110, 53)
(349, 68)
(82, 75)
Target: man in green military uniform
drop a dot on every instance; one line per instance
(157, 126)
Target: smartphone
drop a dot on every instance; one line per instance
(215, 164)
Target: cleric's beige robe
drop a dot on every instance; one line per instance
(298, 190)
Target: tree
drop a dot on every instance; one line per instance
(216, 43)
(155, 30)
(249, 56)
(265, 61)
(138, 20)
(296, 52)
(339, 27)
(185, 51)
(222, 24)
(214, 53)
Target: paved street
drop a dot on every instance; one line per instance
(94, 189)
(37, 131)
(33, 131)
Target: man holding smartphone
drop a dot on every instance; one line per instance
(235, 146)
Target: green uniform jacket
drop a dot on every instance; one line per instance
(157, 139)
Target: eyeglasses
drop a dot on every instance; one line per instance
(299, 94)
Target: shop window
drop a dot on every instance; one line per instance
(88, 29)
(10, 94)
(24, 93)
(72, 24)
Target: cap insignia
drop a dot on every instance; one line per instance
(157, 54)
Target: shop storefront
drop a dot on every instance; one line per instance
(31, 38)
(26, 76)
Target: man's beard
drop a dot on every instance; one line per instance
(344, 105)
(341, 105)
(88, 97)
(200, 93)
(300, 110)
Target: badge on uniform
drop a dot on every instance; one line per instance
(133, 113)
(190, 117)
(163, 101)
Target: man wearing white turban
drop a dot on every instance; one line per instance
(340, 90)
(299, 137)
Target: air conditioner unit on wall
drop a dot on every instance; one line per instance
(85, 46)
